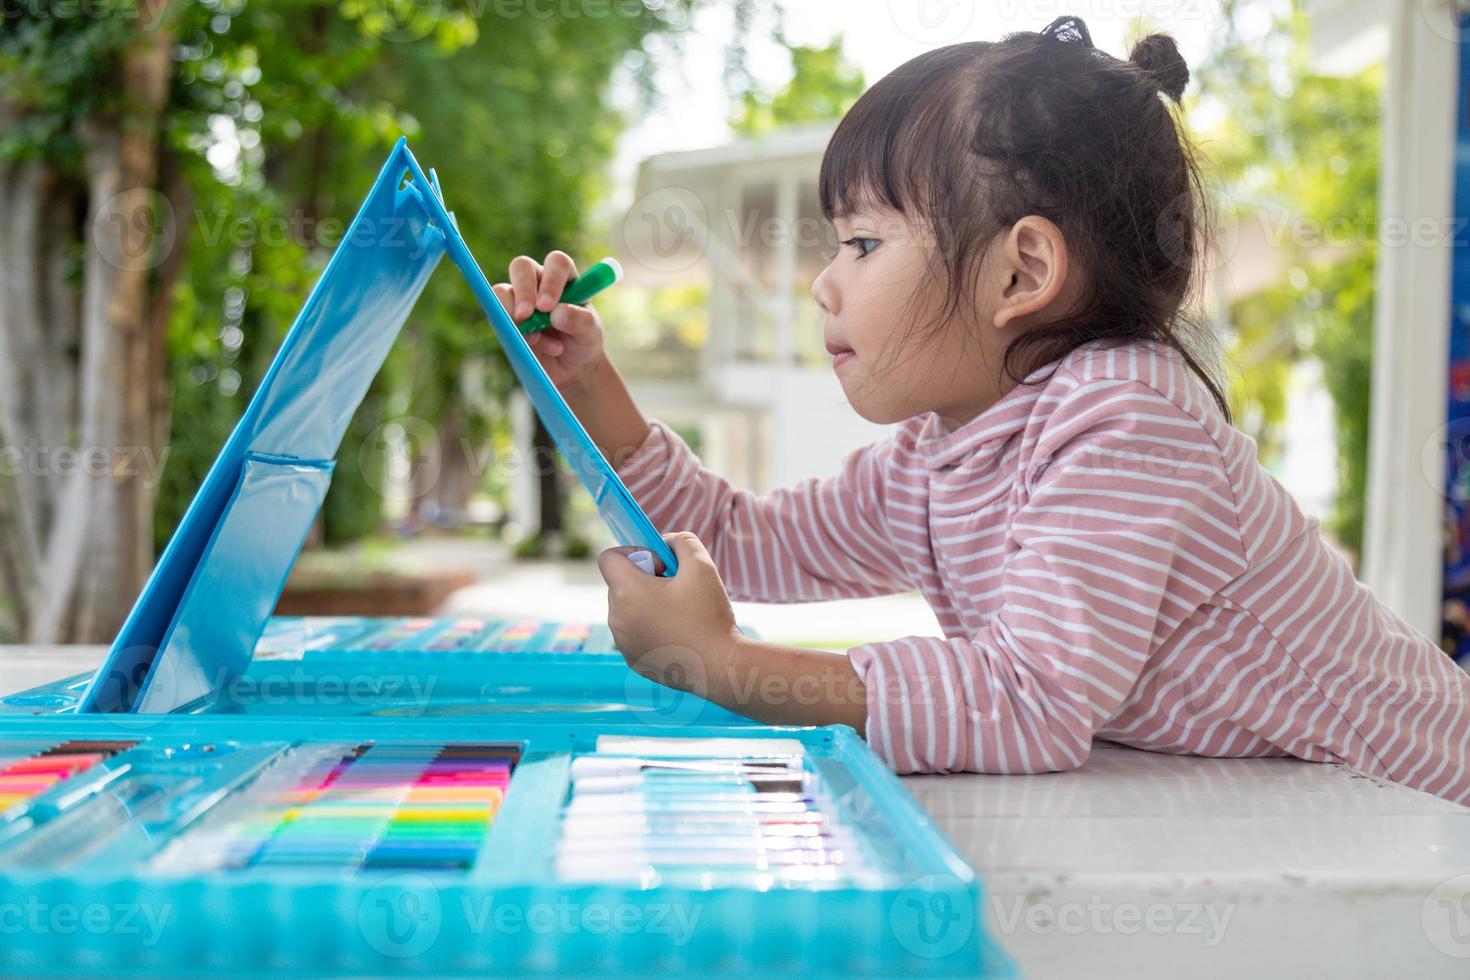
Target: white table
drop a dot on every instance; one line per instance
(1145, 865)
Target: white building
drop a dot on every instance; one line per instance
(760, 391)
(1404, 539)
(744, 218)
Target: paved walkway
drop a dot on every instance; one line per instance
(574, 590)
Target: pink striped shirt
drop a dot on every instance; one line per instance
(1108, 560)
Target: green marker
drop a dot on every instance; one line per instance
(578, 291)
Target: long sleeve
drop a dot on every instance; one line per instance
(821, 539)
(1125, 524)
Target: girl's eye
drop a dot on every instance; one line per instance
(863, 246)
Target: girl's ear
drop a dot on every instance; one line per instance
(1033, 255)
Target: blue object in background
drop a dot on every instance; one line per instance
(1455, 632)
(202, 610)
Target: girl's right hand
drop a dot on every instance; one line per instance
(573, 345)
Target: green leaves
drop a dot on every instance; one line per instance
(1297, 155)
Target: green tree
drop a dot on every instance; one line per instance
(823, 86)
(86, 290)
(1298, 153)
(175, 174)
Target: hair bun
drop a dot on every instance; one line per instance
(1159, 58)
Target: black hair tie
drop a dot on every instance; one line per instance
(1068, 30)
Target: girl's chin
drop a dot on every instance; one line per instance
(876, 413)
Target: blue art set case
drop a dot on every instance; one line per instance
(127, 866)
(231, 792)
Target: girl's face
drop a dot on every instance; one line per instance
(877, 291)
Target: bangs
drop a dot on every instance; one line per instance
(902, 142)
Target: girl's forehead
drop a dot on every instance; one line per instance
(879, 221)
(867, 210)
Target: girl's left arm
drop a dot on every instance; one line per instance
(1127, 529)
(681, 632)
(1128, 524)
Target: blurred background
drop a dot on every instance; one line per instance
(174, 175)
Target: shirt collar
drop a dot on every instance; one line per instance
(991, 427)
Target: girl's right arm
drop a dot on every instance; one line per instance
(572, 354)
(822, 539)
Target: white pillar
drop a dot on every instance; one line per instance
(783, 292)
(525, 489)
(1403, 537)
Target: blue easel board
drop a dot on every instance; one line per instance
(207, 601)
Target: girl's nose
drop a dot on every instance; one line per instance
(824, 294)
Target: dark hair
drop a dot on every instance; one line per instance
(972, 137)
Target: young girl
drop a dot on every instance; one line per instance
(1105, 555)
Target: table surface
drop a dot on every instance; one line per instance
(1150, 865)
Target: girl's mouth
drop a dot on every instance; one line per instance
(840, 355)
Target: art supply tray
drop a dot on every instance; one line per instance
(421, 667)
(211, 844)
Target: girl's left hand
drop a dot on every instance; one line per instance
(678, 631)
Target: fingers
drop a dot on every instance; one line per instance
(618, 572)
(549, 344)
(558, 271)
(506, 294)
(626, 550)
(524, 274)
(578, 323)
(688, 548)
